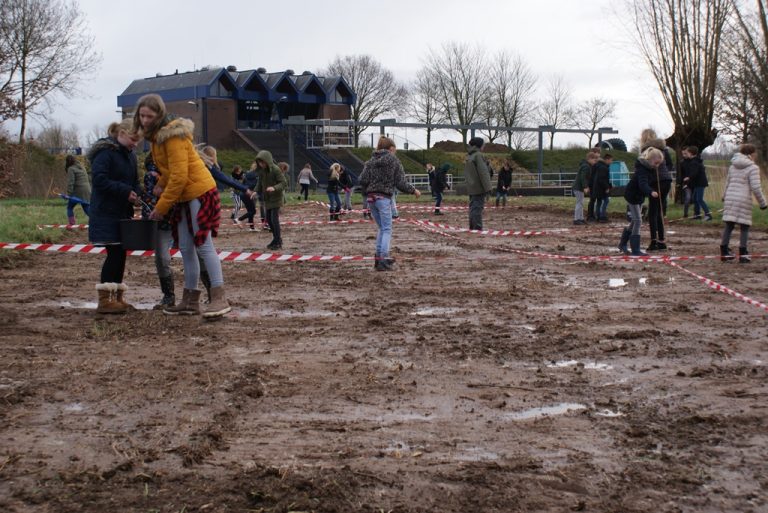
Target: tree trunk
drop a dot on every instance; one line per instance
(551, 141)
(429, 137)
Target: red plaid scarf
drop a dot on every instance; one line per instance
(208, 217)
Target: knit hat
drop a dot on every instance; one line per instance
(445, 167)
(477, 142)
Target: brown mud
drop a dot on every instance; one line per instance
(469, 379)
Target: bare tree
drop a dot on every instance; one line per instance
(424, 105)
(557, 108)
(48, 50)
(680, 41)
(592, 113)
(512, 86)
(57, 139)
(461, 78)
(742, 94)
(376, 89)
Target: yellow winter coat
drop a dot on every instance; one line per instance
(183, 175)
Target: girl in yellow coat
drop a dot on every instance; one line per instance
(186, 185)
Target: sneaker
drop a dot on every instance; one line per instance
(707, 217)
(579, 222)
(661, 246)
(653, 246)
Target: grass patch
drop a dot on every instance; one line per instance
(20, 218)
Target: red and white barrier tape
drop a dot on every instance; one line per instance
(227, 256)
(720, 288)
(64, 226)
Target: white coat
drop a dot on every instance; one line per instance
(743, 179)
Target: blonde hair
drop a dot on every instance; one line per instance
(125, 126)
(647, 135)
(154, 103)
(385, 143)
(653, 154)
(208, 155)
(335, 170)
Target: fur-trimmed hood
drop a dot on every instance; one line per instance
(106, 143)
(179, 127)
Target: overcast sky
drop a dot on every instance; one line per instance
(583, 41)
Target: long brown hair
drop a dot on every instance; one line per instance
(156, 104)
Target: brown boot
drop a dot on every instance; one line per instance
(120, 296)
(218, 305)
(107, 303)
(189, 304)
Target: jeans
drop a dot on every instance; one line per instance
(273, 220)
(334, 202)
(438, 199)
(578, 212)
(476, 206)
(698, 202)
(635, 218)
(395, 215)
(601, 208)
(348, 199)
(71, 204)
(743, 234)
(687, 197)
(381, 210)
(163, 245)
(190, 252)
(501, 195)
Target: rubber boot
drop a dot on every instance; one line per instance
(744, 257)
(120, 296)
(634, 244)
(218, 304)
(189, 304)
(624, 240)
(437, 212)
(661, 245)
(726, 255)
(107, 303)
(206, 279)
(653, 246)
(71, 220)
(169, 298)
(331, 217)
(376, 264)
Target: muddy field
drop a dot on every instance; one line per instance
(472, 379)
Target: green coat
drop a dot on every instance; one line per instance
(582, 176)
(271, 176)
(476, 173)
(78, 184)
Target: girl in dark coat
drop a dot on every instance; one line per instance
(115, 190)
(440, 184)
(635, 192)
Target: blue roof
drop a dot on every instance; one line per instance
(246, 85)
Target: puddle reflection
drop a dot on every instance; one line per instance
(546, 411)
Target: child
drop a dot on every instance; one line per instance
(345, 181)
(697, 182)
(78, 186)
(439, 186)
(332, 189)
(581, 185)
(272, 183)
(601, 187)
(305, 175)
(237, 175)
(743, 178)
(503, 184)
(635, 192)
(164, 240)
(251, 181)
(686, 170)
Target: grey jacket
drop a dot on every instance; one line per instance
(476, 173)
(383, 174)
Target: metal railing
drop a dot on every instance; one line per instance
(421, 182)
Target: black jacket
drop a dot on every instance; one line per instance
(345, 180)
(505, 180)
(639, 185)
(115, 175)
(601, 180)
(694, 169)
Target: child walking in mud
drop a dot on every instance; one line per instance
(635, 193)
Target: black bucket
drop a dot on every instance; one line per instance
(138, 234)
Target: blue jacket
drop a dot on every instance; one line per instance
(115, 175)
(639, 185)
(224, 179)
